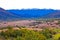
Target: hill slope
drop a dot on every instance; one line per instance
(4, 15)
(55, 14)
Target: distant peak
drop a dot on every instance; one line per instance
(1, 8)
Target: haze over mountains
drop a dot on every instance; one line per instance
(15, 14)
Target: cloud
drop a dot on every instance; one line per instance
(20, 4)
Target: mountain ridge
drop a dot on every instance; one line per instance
(41, 13)
(28, 14)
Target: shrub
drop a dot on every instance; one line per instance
(57, 36)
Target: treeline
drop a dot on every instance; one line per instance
(25, 34)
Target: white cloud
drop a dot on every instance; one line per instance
(19, 4)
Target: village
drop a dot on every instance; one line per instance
(32, 24)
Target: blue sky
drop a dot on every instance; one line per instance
(25, 4)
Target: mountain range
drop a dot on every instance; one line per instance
(17, 14)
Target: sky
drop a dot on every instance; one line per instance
(26, 4)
